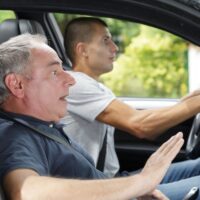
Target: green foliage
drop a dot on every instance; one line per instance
(153, 65)
(5, 14)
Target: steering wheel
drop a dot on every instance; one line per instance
(193, 143)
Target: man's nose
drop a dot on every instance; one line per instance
(115, 48)
(69, 79)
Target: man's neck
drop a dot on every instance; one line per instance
(19, 108)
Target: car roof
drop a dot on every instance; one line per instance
(180, 17)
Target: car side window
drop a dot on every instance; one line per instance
(151, 63)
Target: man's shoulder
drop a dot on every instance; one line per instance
(11, 131)
(5, 124)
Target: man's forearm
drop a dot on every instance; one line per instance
(151, 123)
(37, 187)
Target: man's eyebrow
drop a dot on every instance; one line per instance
(55, 63)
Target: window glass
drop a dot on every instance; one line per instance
(6, 14)
(150, 63)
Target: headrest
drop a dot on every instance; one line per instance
(13, 27)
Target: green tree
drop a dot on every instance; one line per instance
(5, 14)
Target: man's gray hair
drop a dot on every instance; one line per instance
(14, 57)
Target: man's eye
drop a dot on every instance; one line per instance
(106, 40)
(54, 73)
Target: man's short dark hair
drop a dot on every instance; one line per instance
(79, 30)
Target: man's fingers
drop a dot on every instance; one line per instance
(157, 194)
(170, 148)
(165, 147)
(194, 93)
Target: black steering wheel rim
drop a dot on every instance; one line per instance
(193, 142)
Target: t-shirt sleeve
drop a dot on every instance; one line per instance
(19, 151)
(88, 98)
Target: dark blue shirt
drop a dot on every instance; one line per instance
(21, 147)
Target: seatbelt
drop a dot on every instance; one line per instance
(102, 154)
(25, 124)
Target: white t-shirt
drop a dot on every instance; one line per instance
(86, 100)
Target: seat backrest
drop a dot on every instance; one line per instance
(13, 27)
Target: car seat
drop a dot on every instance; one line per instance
(13, 27)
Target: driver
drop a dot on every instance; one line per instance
(94, 110)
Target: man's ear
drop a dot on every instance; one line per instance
(14, 83)
(81, 49)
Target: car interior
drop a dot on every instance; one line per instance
(132, 152)
(14, 27)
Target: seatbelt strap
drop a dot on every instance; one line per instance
(25, 124)
(102, 154)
